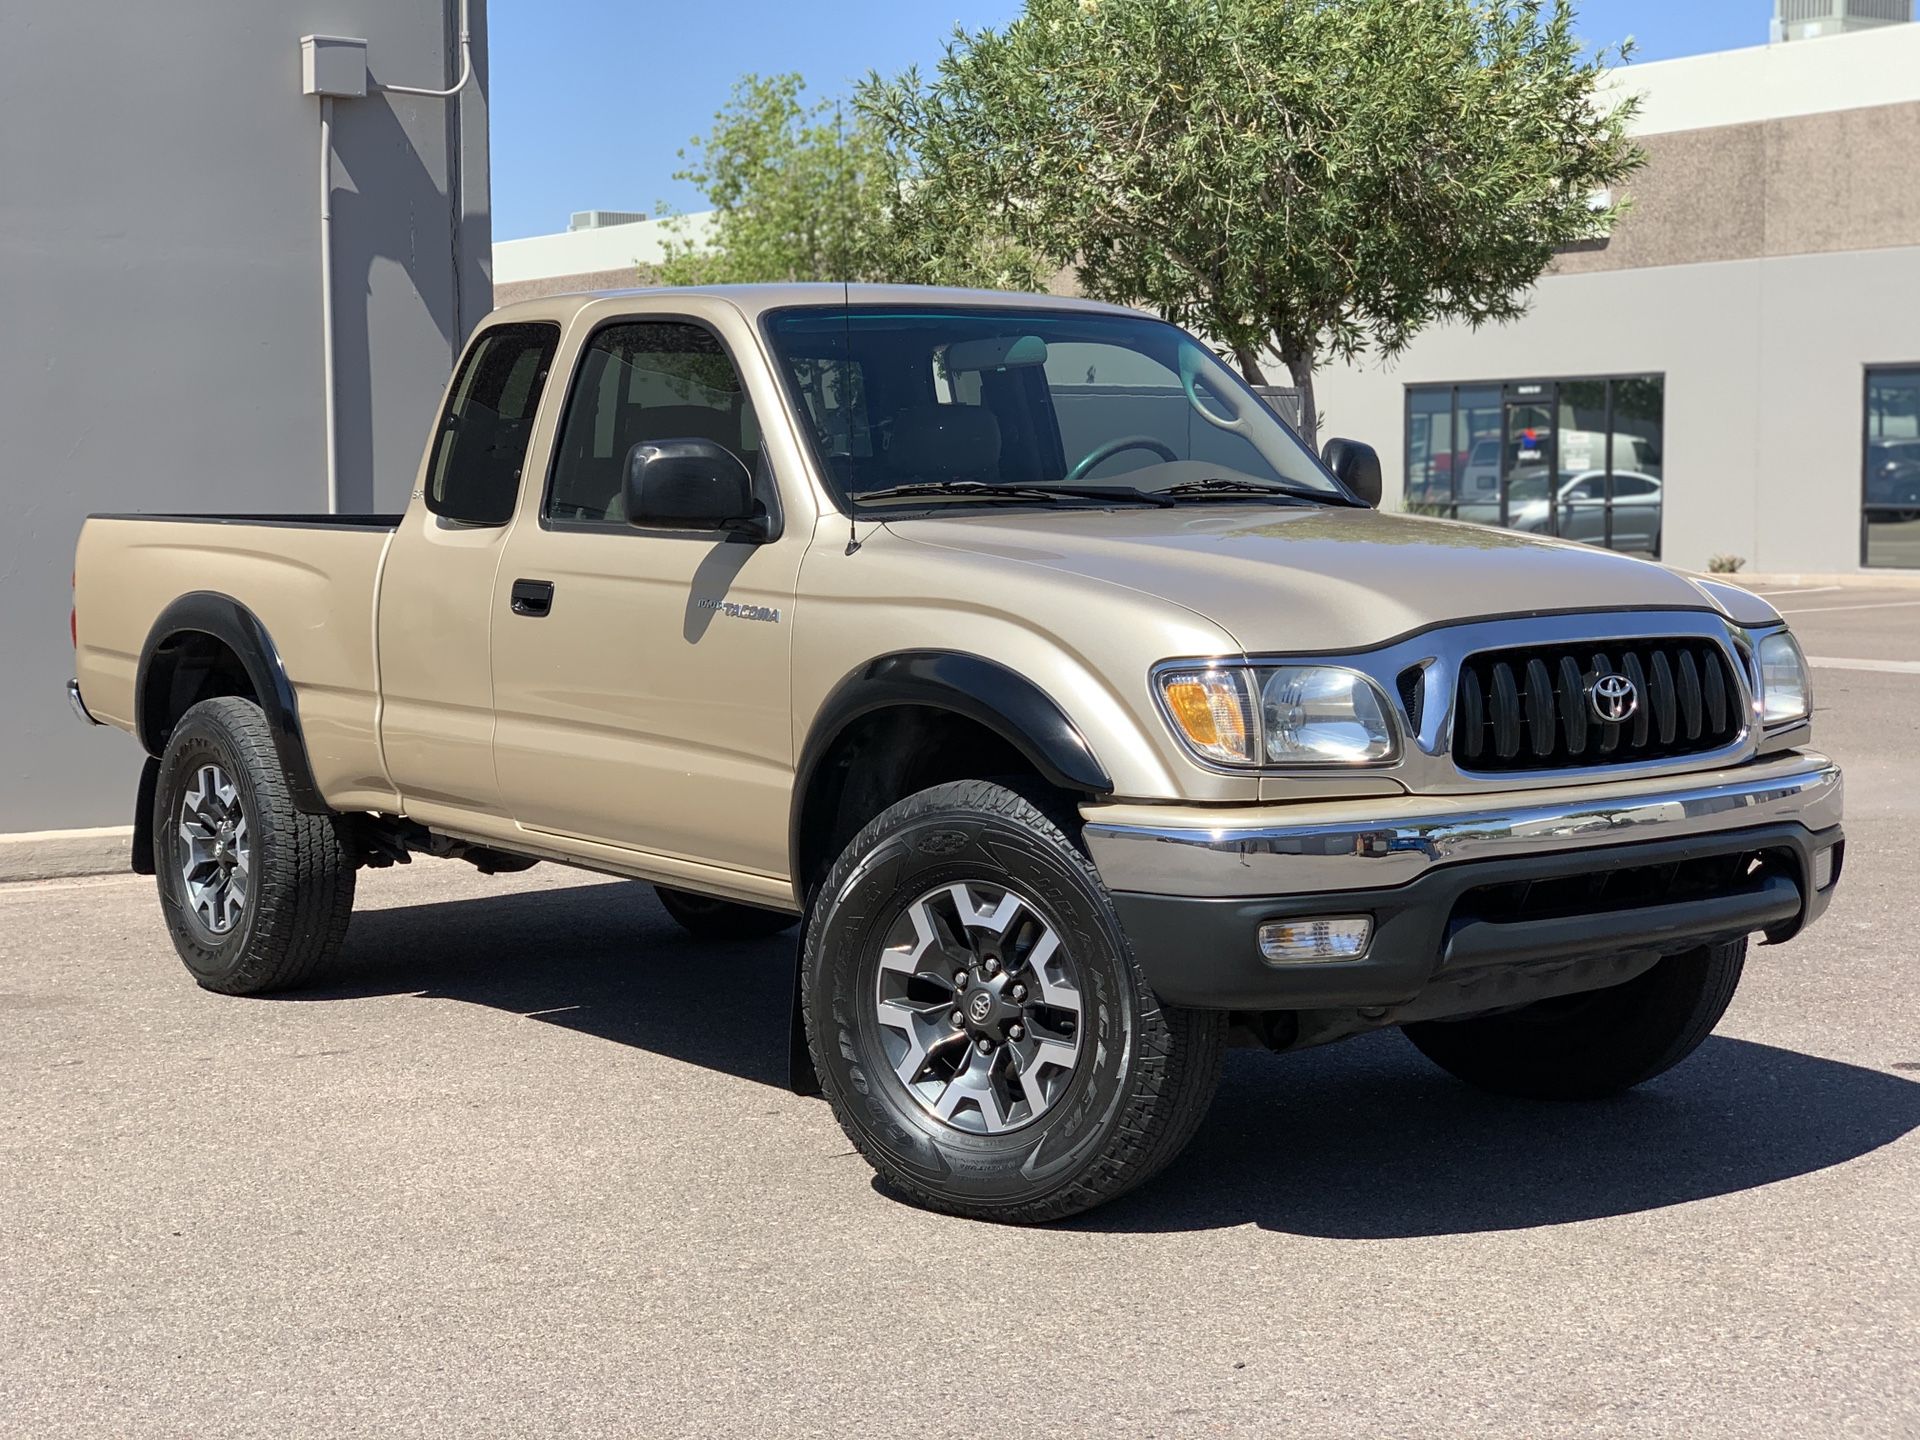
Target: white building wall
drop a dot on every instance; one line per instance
(1764, 365)
(588, 252)
(1768, 82)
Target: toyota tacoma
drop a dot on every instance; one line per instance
(1083, 719)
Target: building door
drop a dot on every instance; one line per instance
(1529, 459)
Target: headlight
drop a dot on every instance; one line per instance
(1784, 692)
(1311, 714)
(1278, 715)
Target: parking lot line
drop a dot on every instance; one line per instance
(1889, 667)
(1875, 605)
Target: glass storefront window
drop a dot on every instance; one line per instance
(1430, 457)
(1477, 421)
(1580, 459)
(1890, 528)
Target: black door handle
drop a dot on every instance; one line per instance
(532, 597)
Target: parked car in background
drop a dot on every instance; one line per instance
(1578, 511)
(1893, 475)
(1527, 457)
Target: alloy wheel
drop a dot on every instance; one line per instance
(979, 1007)
(217, 861)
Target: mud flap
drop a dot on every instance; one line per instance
(143, 816)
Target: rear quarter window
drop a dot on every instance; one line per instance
(480, 449)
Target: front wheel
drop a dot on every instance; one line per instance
(256, 893)
(1594, 1044)
(977, 1019)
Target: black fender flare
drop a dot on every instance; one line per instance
(207, 612)
(982, 690)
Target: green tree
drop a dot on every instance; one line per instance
(817, 192)
(1312, 177)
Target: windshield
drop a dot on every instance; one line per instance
(1033, 407)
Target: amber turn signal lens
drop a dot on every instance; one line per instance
(1211, 709)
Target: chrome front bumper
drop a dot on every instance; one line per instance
(1312, 848)
(1474, 905)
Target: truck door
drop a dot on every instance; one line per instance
(641, 676)
(436, 590)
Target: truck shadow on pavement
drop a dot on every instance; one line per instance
(1366, 1140)
(604, 960)
(1362, 1140)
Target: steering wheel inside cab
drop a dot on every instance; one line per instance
(1108, 449)
(1192, 358)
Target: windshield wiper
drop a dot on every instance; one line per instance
(985, 490)
(1220, 485)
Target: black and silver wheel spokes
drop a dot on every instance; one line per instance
(979, 1007)
(216, 864)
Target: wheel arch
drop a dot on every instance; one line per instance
(973, 696)
(206, 644)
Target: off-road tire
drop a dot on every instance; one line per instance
(300, 892)
(1596, 1044)
(1146, 1073)
(705, 918)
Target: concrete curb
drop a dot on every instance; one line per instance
(58, 854)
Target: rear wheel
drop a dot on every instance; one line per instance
(256, 893)
(1595, 1044)
(706, 918)
(977, 1019)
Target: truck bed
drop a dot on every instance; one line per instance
(310, 580)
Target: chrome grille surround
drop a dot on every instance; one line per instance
(1425, 763)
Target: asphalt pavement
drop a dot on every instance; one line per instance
(526, 1166)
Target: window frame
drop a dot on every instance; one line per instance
(468, 358)
(1867, 376)
(1508, 389)
(765, 487)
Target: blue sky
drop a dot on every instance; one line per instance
(593, 98)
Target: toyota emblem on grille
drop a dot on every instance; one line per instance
(1614, 698)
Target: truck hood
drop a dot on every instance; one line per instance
(1325, 579)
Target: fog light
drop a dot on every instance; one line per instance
(1823, 868)
(1325, 937)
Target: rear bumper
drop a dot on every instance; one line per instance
(1477, 903)
(79, 705)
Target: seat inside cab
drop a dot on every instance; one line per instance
(637, 383)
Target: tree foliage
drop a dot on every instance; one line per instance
(1310, 177)
(815, 192)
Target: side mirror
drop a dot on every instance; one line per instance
(1357, 466)
(690, 485)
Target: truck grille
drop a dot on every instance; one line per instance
(1528, 708)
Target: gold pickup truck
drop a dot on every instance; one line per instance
(1085, 720)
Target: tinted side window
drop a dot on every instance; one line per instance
(482, 444)
(639, 382)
